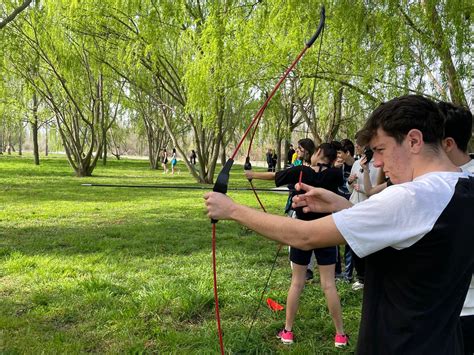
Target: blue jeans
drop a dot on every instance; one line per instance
(349, 266)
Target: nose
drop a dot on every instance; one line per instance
(378, 163)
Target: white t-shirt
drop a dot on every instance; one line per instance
(399, 216)
(469, 166)
(359, 196)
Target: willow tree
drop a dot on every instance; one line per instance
(149, 124)
(68, 77)
(387, 49)
(398, 47)
(219, 92)
(187, 50)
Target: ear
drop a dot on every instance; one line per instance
(448, 144)
(415, 141)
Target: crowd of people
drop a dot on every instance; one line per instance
(400, 201)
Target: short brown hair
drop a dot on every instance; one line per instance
(401, 114)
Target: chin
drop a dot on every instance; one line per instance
(393, 179)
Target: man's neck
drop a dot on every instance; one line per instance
(458, 157)
(436, 162)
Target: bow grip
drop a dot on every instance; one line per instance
(223, 180)
(320, 27)
(248, 165)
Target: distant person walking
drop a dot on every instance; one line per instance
(174, 160)
(164, 160)
(289, 156)
(192, 157)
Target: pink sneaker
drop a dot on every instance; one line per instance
(341, 341)
(285, 336)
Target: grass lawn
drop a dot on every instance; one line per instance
(115, 270)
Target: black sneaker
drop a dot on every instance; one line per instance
(309, 275)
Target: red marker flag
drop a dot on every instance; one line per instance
(274, 306)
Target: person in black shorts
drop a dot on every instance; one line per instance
(305, 151)
(321, 173)
(164, 160)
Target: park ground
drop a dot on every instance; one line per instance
(127, 270)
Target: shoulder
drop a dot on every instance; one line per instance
(469, 166)
(356, 166)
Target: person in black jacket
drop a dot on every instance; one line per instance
(269, 157)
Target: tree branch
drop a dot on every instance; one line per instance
(15, 13)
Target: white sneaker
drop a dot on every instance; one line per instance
(357, 286)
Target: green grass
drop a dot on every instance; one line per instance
(113, 270)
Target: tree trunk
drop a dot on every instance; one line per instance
(286, 148)
(279, 154)
(20, 140)
(442, 44)
(46, 147)
(14, 13)
(104, 152)
(34, 129)
(337, 115)
(223, 153)
(9, 144)
(2, 138)
(154, 148)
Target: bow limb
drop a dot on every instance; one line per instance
(223, 177)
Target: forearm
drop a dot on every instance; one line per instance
(263, 175)
(377, 189)
(367, 186)
(304, 235)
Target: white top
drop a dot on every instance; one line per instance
(468, 308)
(469, 166)
(374, 224)
(359, 196)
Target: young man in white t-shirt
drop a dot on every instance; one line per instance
(419, 256)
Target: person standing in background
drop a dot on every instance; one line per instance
(457, 133)
(274, 160)
(289, 156)
(269, 157)
(345, 161)
(174, 161)
(355, 185)
(192, 158)
(164, 160)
